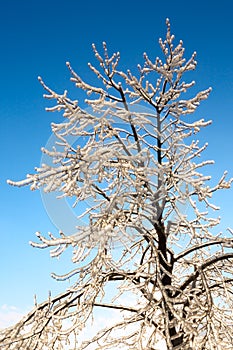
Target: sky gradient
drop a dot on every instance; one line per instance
(37, 38)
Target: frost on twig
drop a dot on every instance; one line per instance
(139, 162)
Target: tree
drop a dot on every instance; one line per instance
(138, 162)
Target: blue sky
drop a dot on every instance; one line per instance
(37, 38)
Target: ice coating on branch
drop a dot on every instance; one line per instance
(134, 154)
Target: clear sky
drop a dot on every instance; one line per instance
(37, 38)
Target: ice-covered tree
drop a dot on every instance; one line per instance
(168, 274)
